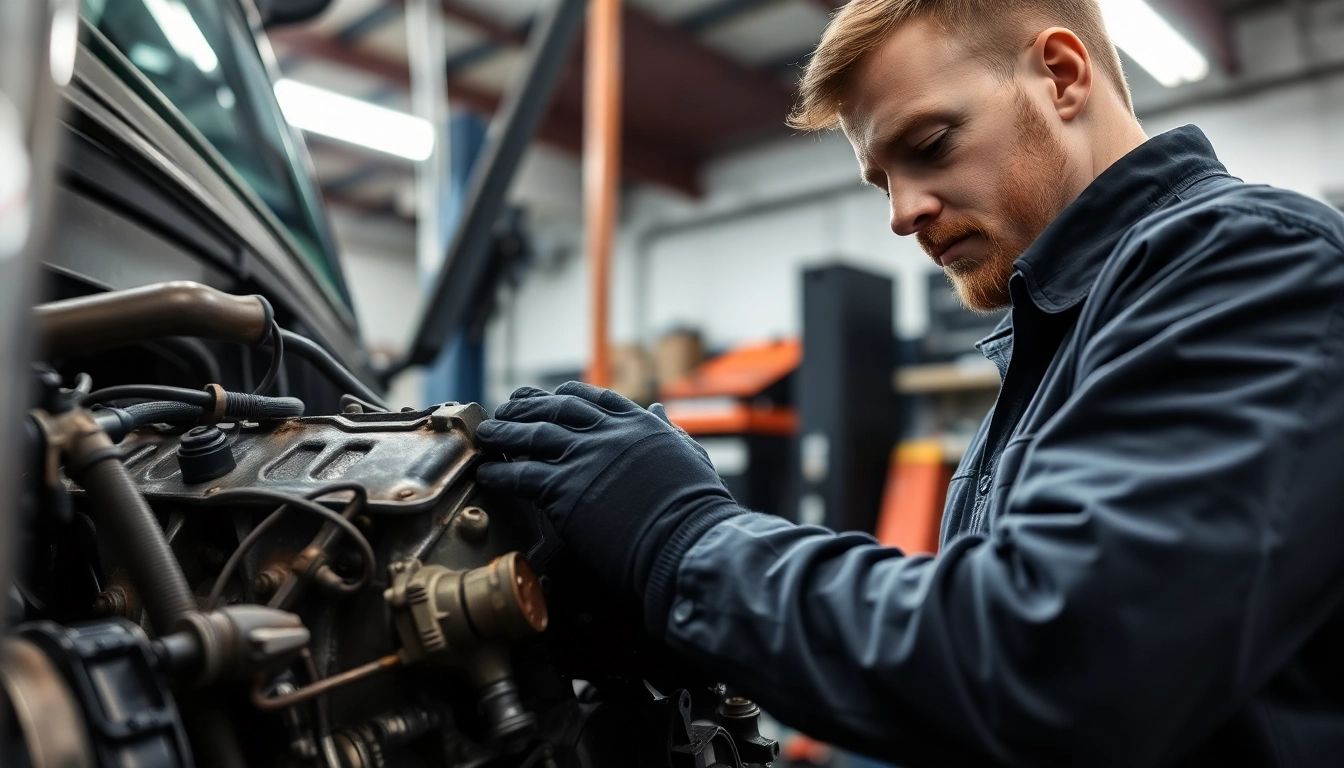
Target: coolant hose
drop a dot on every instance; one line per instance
(94, 462)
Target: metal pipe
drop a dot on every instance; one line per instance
(268, 704)
(178, 308)
(426, 52)
(601, 170)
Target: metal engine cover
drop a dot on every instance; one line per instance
(406, 461)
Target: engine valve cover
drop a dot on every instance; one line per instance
(406, 461)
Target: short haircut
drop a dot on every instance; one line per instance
(995, 31)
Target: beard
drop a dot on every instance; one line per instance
(1029, 197)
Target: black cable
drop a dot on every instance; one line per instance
(277, 357)
(237, 405)
(197, 397)
(304, 502)
(330, 367)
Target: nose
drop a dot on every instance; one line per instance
(912, 208)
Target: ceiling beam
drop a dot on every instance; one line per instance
(368, 23)
(484, 24)
(719, 13)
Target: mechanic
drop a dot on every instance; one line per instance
(1142, 557)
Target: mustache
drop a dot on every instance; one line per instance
(938, 235)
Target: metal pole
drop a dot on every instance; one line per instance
(426, 54)
(601, 170)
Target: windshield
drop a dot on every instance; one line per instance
(203, 60)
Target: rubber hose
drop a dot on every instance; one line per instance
(237, 405)
(162, 411)
(119, 422)
(241, 405)
(134, 531)
(330, 367)
(150, 392)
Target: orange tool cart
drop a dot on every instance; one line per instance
(740, 407)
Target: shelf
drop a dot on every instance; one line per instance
(946, 377)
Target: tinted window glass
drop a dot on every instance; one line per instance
(201, 57)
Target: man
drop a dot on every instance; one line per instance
(1143, 550)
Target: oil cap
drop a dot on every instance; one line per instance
(204, 454)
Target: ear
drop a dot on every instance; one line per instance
(1062, 58)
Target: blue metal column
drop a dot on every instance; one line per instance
(459, 372)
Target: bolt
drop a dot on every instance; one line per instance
(214, 490)
(738, 706)
(472, 524)
(405, 493)
(268, 581)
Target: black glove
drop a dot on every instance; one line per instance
(628, 492)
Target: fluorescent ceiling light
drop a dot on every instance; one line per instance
(1139, 31)
(182, 33)
(358, 122)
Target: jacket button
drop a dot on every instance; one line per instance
(682, 612)
(985, 483)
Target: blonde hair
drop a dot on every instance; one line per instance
(994, 30)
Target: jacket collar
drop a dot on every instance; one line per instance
(1060, 266)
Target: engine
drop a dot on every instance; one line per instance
(225, 578)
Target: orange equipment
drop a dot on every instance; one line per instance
(740, 407)
(912, 506)
(731, 394)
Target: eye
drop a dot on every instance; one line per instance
(936, 148)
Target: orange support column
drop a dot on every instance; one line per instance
(601, 168)
(912, 506)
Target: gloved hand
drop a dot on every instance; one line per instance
(626, 490)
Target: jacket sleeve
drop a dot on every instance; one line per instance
(1173, 536)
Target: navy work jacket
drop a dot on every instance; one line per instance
(1143, 551)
